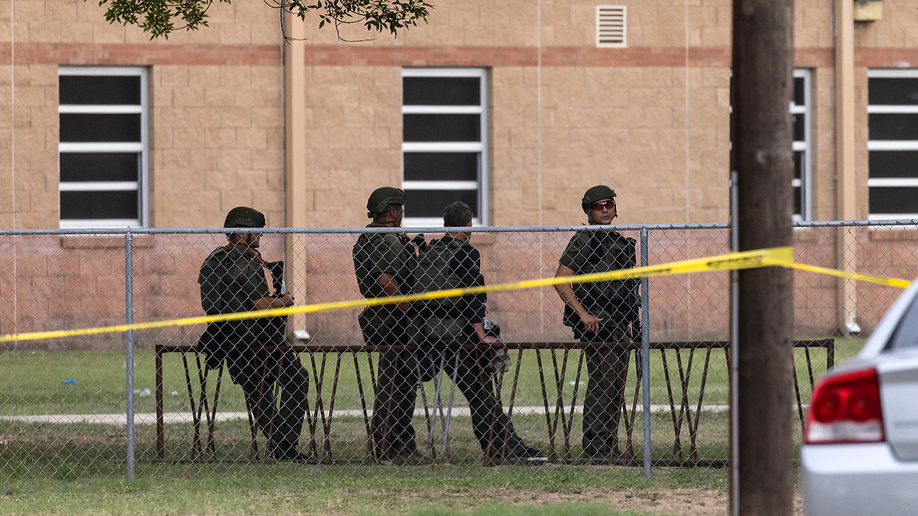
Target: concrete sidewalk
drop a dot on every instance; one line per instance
(185, 417)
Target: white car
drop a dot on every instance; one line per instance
(860, 443)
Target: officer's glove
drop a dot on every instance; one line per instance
(421, 241)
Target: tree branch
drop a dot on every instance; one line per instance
(159, 17)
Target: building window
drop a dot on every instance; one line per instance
(444, 145)
(103, 147)
(801, 110)
(893, 146)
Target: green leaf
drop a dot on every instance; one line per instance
(162, 17)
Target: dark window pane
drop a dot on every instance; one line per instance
(906, 335)
(798, 164)
(799, 91)
(441, 91)
(897, 199)
(798, 200)
(430, 203)
(441, 166)
(893, 91)
(893, 164)
(442, 128)
(893, 126)
(100, 127)
(92, 89)
(799, 127)
(99, 205)
(95, 166)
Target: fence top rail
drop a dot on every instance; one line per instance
(904, 223)
(912, 223)
(354, 231)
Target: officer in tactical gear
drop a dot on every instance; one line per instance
(604, 311)
(233, 279)
(384, 265)
(449, 323)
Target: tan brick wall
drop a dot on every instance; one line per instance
(353, 140)
(824, 149)
(651, 120)
(217, 143)
(29, 173)
(635, 117)
(631, 128)
(216, 112)
(660, 23)
(814, 23)
(897, 29)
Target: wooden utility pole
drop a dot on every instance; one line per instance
(762, 157)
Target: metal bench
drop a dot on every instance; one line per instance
(558, 412)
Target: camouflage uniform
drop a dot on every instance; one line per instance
(230, 279)
(397, 381)
(616, 303)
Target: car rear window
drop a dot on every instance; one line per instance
(906, 334)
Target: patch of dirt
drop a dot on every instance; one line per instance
(671, 502)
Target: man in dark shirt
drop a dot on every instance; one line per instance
(603, 311)
(447, 324)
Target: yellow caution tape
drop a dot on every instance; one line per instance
(774, 257)
(890, 282)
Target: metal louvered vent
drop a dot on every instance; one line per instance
(611, 24)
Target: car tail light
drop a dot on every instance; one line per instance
(846, 409)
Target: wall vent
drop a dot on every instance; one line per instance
(611, 25)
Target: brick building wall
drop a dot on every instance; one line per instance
(216, 109)
(54, 283)
(652, 120)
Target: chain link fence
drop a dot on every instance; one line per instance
(417, 391)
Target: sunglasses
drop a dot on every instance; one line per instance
(598, 206)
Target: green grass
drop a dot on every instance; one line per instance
(32, 381)
(32, 385)
(80, 468)
(283, 489)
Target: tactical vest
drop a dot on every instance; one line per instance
(369, 250)
(443, 317)
(221, 295)
(606, 299)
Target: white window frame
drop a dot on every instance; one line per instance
(806, 146)
(894, 145)
(481, 147)
(142, 147)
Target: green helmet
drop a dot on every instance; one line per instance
(597, 193)
(382, 198)
(243, 217)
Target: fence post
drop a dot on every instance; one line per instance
(129, 346)
(645, 352)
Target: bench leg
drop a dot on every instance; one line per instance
(213, 414)
(209, 411)
(195, 409)
(363, 403)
